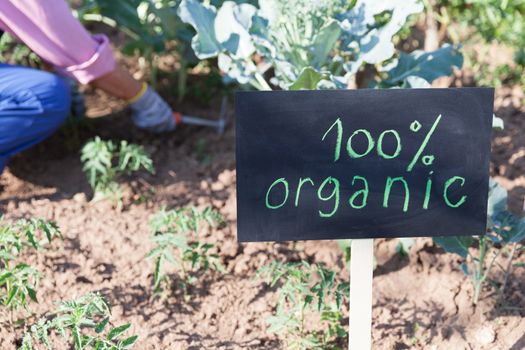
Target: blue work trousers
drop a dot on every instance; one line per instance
(33, 104)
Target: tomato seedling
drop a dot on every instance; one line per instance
(105, 162)
(18, 280)
(304, 290)
(82, 323)
(174, 236)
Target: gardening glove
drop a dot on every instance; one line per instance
(151, 112)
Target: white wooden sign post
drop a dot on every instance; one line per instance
(361, 273)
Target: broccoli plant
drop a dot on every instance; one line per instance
(313, 44)
(505, 231)
(18, 280)
(104, 163)
(306, 290)
(174, 234)
(82, 323)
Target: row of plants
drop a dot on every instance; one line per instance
(265, 45)
(19, 285)
(181, 257)
(305, 45)
(337, 44)
(488, 22)
(329, 44)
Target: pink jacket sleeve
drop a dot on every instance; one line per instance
(50, 30)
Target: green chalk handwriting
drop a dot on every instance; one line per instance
(329, 189)
(337, 151)
(351, 152)
(428, 190)
(299, 186)
(335, 192)
(445, 191)
(423, 144)
(286, 191)
(363, 192)
(389, 182)
(380, 151)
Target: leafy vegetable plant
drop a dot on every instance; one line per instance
(14, 52)
(104, 162)
(313, 44)
(174, 236)
(152, 28)
(503, 21)
(305, 290)
(487, 21)
(82, 323)
(505, 233)
(18, 280)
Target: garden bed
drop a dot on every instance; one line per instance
(420, 301)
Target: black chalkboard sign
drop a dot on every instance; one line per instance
(362, 163)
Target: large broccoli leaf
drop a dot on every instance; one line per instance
(426, 65)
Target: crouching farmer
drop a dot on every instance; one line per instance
(34, 103)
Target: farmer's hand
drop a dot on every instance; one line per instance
(151, 112)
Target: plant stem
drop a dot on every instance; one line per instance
(263, 84)
(182, 79)
(154, 65)
(94, 17)
(482, 274)
(479, 270)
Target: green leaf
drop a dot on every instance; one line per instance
(202, 18)
(519, 234)
(426, 65)
(32, 294)
(11, 295)
(77, 338)
(497, 201)
(307, 79)
(156, 272)
(102, 324)
(231, 28)
(5, 276)
(464, 268)
(324, 43)
(404, 245)
(115, 332)
(377, 45)
(31, 238)
(126, 343)
(455, 244)
(27, 343)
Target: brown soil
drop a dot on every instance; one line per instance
(422, 301)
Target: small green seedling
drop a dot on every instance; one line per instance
(417, 338)
(13, 51)
(202, 152)
(403, 246)
(104, 162)
(505, 232)
(306, 290)
(18, 280)
(82, 323)
(174, 234)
